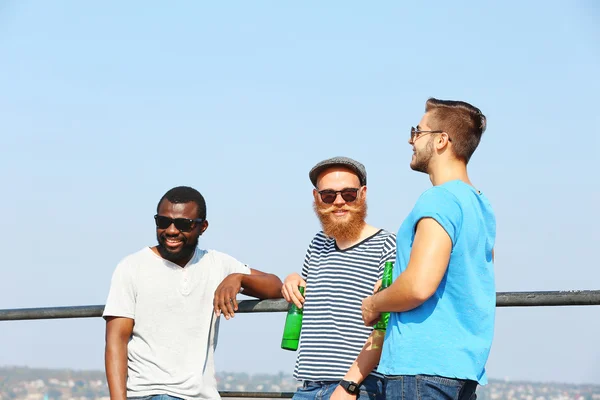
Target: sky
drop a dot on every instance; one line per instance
(106, 106)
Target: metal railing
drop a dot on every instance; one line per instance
(503, 299)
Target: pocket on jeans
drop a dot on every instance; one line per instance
(372, 389)
(364, 395)
(438, 387)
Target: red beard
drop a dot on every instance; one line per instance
(348, 228)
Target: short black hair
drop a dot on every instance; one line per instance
(185, 194)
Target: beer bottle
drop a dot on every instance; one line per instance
(293, 325)
(385, 282)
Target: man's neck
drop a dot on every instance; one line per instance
(448, 171)
(366, 232)
(182, 263)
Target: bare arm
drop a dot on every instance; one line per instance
(363, 365)
(257, 284)
(367, 358)
(118, 332)
(426, 268)
(261, 285)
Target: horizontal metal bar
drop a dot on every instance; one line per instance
(259, 395)
(554, 298)
(503, 299)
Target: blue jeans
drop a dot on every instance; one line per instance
(371, 388)
(427, 387)
(155, 397)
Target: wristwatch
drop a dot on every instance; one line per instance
(350, 386)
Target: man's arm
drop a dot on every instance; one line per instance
(257, 284)
(363, 365)
(261, 285)
(428, 263)
(118, 332)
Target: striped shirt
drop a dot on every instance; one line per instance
(333, 332)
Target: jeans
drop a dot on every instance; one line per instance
(370, 388)
(155, 397)
(427, 387)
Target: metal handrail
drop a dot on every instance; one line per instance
(503, 299)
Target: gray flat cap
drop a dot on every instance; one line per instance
(349, 163)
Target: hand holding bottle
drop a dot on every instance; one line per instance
(290, 291)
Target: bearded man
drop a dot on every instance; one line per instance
(338, 354)
(161, 316)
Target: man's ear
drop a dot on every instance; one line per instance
(204, 227)
(316, 195)
(442, 140)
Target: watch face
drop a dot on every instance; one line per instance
(352, 387)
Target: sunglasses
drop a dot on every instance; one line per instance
(181, 224)
(415, 133)
(328, 196)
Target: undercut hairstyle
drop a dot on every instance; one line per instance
(463, 123)
(185, 194)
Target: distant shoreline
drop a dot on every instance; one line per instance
(99, 374)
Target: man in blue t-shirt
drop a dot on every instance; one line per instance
(443, 298)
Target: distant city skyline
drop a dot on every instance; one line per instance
(26, 384)
(103, 108)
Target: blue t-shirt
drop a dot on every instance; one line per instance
(449, 335)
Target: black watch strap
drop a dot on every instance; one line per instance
(350, 387)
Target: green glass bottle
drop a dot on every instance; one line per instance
(293, 325)
(385, 282)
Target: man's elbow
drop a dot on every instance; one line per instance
(274, 287)
(421, 293)
(269, 287)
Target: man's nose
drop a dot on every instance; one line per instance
(171, 230)
(339, 201)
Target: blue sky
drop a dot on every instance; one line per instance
(104, 107)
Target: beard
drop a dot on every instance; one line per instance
(347, 228)
(186, 251)
(423, 158)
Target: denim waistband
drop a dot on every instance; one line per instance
(306, 384)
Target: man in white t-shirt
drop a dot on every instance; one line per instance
(164, 305)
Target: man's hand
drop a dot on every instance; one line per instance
(377, 286)
(290, 291)
(225, 296)
(370, 316)
(340, 394)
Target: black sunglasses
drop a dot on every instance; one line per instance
(328, 196)
(182, 224)
(415, 133)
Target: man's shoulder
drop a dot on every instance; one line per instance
(437, 198)
(214, 256)
(319, 239)
(133, 259)
(386, 234)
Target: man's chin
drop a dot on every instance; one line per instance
(176, 255)
(418, 168)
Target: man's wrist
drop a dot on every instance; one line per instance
(350, 387)
(371, 303)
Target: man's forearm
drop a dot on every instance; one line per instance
(115, 359)
(267, 286)
(403, 295)
(367, 359)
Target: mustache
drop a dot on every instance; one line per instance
(164, 237)
(327, 209)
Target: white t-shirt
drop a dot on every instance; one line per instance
(175, 330)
